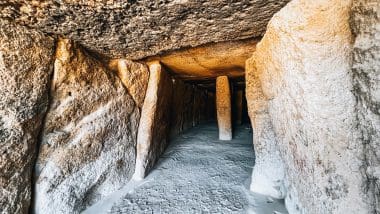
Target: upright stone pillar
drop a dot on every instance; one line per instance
(223, 107)
(154, 122)
(238, 106)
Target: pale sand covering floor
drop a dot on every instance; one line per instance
(197, 174)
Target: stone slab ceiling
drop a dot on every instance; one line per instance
(137, 29)
(209, 61)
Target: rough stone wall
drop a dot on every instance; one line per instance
(268, 171)
(135, 78)
(153, 132)
(89, 135)
(131, 29)
(365, 24)
(304, 68)
(182, 105)
(188, 108)
(26, 65)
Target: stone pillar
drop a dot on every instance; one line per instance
(223, 107)
(155, 116)
(238, 106)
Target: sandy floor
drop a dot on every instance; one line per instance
(197, 174)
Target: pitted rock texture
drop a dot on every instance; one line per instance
(136, 29)
(268, 171)
(26, 65)
(304, 65)
(89, 136)
(365, 24)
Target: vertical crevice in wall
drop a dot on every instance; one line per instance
(25, 68)
(40, 133)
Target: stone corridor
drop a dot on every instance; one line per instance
(105, 106)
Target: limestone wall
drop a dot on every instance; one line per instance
(26, 59)
(304, 67)
(89, 136)
(365, 24)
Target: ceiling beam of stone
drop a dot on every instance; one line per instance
(209, 61)
(138, 29)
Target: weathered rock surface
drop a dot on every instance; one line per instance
(304, 68)
(365, 23)
(89, 136)
(223, 107)
(135, 78)
(131, 29)
(153, 131)
(268, 171)
(26, 64)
